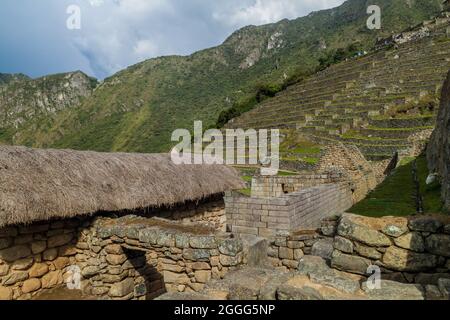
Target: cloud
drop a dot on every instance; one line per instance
(259, 12)
(144, 49)
(117, 33)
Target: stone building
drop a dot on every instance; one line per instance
(97, 216)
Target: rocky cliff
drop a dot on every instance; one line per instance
(439, 147)
(23, 99)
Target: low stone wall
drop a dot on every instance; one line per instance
(137, 258)
(210, 212)
(269, 217)
(124, 258)
(413, 249)
(36, 257)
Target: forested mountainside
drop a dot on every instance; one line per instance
(138, 108)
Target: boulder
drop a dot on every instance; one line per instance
(352, 227)
(348, 263)
(202, 276)
(323, 248)
(38, 270)
(31, 285)
(196, 254)
(390, 290)
(444, 287)
(50, 254)
(229, 261)
(5, 293)
(14, 253)
(425, 224)
(177, 278)
(122, 289)
(15, 277)
(438, 244)
(116, 259)
(5, 243)
(411, 241)
(38, 246)
(22, 264)
(203, 242)
(59, 240)
(368, 252)
(403, 260)
(302, 288)
(343, 245)
(230, 247)
(4, 268)
(52, 279)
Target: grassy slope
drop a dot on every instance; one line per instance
(394, 197)
(138, 108)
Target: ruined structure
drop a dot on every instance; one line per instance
(60, 215)
(370, 101)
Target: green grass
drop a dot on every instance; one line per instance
(394, 197)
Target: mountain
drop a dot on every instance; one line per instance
(6, 78)
(25, 101)
(138, 108)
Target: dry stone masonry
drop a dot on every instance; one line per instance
(36, 257)
(134, 258)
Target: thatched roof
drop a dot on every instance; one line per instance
(38, 185)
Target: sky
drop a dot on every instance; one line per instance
(101, 37)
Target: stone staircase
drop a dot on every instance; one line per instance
(350, 101)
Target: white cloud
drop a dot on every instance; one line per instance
(259, 12)
(144, 49)
(118, 33)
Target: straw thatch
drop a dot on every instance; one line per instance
(38, 185)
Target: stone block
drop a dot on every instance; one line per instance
(286, 253)
(122, 289)
(404, 260)
(59, 240)
(31, 285)
(14, 253)
(411, 241)
(425, 224)
(348, 263)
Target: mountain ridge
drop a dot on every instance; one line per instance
(137, 108)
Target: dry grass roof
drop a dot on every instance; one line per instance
(37, 185)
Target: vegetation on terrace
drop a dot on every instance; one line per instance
(396, 195)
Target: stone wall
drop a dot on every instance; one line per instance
(210, 212)
(438, 152)
(277, 186)
(269, 217)
(410, 249)
(132, 257)
(36, 257)
(138, 258)
(350, 163)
